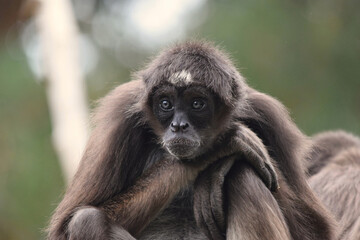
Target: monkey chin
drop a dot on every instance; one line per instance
(182, 148)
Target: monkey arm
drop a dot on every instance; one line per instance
(242, 191)
(252, 211)
(209, 186)
(141, 203)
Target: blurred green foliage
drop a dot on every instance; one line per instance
(305, 53)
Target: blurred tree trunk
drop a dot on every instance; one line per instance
(65, 87)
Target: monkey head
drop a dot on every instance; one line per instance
(191, 93)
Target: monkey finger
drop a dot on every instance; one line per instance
(274, 178)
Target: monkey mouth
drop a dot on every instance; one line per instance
(182, 147)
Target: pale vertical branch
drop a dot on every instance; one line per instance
(65, 87)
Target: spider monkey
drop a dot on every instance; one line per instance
(163, 143)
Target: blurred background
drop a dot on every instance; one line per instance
(304, 53)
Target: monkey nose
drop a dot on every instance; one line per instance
(175, 127)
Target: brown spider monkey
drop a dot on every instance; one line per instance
(333, 167)
(191, 117)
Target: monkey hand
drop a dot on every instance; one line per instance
(243, 143)
(251, 147)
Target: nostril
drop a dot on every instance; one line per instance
(174, 127)
(184, 126)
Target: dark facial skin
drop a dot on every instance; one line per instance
(185, 114)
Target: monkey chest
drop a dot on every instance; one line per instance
(176, 221)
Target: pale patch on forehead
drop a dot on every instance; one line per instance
(181, 78)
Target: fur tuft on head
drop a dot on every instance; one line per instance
(196, 63)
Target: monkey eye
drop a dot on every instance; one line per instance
(166, 105)
(198, 104)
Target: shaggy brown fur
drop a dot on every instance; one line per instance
(334, 169)
(127, 180)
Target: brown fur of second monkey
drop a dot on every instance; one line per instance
(334, 174)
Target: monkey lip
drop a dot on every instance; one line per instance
(182, 147)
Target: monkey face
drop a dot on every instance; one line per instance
(186, 116)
